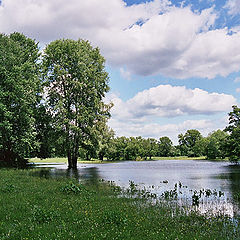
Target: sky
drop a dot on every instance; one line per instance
(173, 65)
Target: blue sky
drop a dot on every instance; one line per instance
(173, 65)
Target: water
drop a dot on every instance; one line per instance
(160, 176)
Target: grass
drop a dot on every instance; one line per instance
(38, 208)
(64, 160)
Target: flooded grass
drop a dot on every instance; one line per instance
(61, 208)
(64, 160)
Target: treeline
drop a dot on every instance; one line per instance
(51, 104)
(50, 100)
(217, 145)
(191, 144)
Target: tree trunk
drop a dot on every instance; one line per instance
(101, 157)
(75, 151)
(70, 163)
(74, 162)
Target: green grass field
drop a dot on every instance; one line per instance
(57, 209)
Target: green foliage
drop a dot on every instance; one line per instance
(188, 141)
(114, 217)
(232, 146)
(123, 148)
(216, 144)
(165, 147)
(74, 188)
(41, 215)
(47, 137)
(76, 83)
(38, 210)
(19, 87)
(200, 147)
(8, 188)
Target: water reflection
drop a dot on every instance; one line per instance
(233, 177)
(89, 175)
(196, 175)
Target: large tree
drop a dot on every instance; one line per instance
(19, 87)
(165, 147)
(187, 142)
(232, 146)
(216, 142)
(76, 83)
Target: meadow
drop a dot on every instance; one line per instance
(39, 208)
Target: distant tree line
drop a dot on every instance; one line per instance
(191, 144)
(51, 104)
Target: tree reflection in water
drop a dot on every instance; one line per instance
(89, 175)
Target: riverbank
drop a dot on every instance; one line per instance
(39, 208)
(96, 161)
(63, 160)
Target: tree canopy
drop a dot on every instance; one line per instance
(188, 141)
(19, 88)
(232, 146)
(76, 83)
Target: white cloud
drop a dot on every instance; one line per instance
(172, 41)
(155, 130)
(125, 74)
(169, 101)
(139, 115)
(233, 7)
(238, 90)
(212, 53)
(237, 79)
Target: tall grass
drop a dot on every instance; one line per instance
(37, 208)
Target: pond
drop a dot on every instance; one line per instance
(219, 180)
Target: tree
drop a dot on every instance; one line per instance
(232, 146)
(165, 147)
(148, 148)
(46, 136)
(200, 147)
(19, 88)
(132, 149)
(188, 141)
(215, 146)
(117, 148)
(76, 83)
(106, 137)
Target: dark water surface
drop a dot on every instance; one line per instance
(160, 176)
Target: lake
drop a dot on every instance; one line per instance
(160, 176)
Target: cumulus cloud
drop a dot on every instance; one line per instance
(148, 38)
(237, 79)
(73, 18)
(139, 115)
(156, 130)
(170, 101)
(233, 7)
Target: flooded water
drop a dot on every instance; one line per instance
(220, 178)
